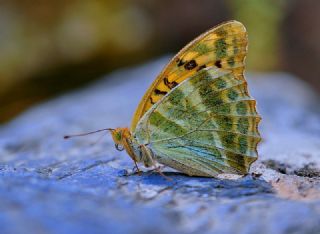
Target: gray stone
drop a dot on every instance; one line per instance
(49, 185)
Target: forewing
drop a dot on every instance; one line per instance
(205, 126)
(224, 46)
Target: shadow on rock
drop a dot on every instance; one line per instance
(203, 186)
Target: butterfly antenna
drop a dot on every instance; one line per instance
(87, 133)
(99, 139)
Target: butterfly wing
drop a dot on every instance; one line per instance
(205, 126)
(224, 46)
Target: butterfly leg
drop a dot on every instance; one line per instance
(158, 169)
(149, 160)
(136, 168)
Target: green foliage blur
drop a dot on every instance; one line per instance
(49, 47)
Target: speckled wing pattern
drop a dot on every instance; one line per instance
(224, 46)
(205, 126)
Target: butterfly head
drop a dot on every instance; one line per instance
(123, 141)
(120, 137)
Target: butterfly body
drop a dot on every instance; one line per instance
(139, 153)
(197, 116)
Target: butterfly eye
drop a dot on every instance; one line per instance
(118, 135)
(121, 148)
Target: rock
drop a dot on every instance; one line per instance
(51, 185)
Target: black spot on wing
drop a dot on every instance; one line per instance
(190, 65)
(169, 84)
(160, 92)
(218, 64)
(180, 62)
(201, 67)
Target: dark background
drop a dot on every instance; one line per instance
(50, 47)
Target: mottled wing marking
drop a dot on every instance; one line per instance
(207, 125)
(224, 46)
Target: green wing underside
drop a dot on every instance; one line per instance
(206, 126)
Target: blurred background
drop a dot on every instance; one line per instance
(53, 46)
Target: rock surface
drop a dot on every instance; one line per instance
(48, 185)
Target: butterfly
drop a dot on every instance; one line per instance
(197, 116)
